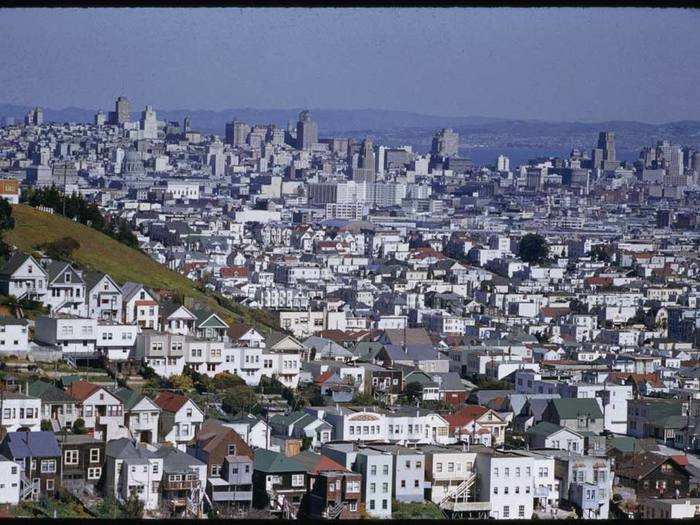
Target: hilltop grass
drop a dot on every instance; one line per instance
(99, 252)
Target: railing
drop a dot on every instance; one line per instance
(460, 490)
(28, 487)
(336, 510)
(180, 485)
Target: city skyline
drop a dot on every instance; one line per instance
(489, 62)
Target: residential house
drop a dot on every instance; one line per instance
(180, 418)
(57, 406)
(82, 459)
(10, 482)
(19, 412)
(140, 306)
(279, 483)
(65, 290)
(229, 463)
(477, 424)
(549, 435)
(104, 297)
(579, 415)
(23, 277)
(132, 467)
(141, 415)
(39, 458)
(653, 475)
(184, 480)
(14, 336)
(102, 411)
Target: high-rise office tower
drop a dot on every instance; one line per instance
(307, 131)
(237, 133)
(35, 117)
(100, 118)
(606, 142)
(365, 170)
(187, 124)
(122, 110)
(149, 124)
(503, 163)
(445, 143)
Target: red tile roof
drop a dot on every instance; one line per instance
(465, 416)
(169, 401)
(81, 390)
(233, 271)
(325, 376)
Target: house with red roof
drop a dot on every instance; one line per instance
(180, 418)
(477, 424)
(102, 411)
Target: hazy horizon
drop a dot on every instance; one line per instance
(547, 64)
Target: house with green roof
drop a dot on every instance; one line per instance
(141, 415)
(577, 414)
(57, 406)
(549, 435)
(279, 483)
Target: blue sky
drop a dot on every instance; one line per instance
(554, 64)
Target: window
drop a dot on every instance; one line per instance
(416, 483)
(155, 468)
(216, 470)
(495, 490)
(385, 470)
(385, 504)
(94, 473)
(506, 472)
(94, 455)
(231, 449)
(517, 489)
(372, 488)
(71, 457)
(506, 511)
(419, 464)
(297, 480)
(438, 467)
(517, 472)
(495, 472)
(373, 470)
(48, 466)
(521, 511)
(371, 504)
(505, 490)
(403, 483)
(49, 484)
(353, 506)
(385, 487)
(408, 464)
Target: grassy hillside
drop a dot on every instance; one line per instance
(101, 253)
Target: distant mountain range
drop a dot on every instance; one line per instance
(403, 127)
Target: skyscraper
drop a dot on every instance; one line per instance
(237, 132)
(149, 124)
(187, 124)
(307, 131)
(122, 110)
(503, 163)
(100, 118)
(35, 117)
(365, 163)
(606, 142)
(445, 143)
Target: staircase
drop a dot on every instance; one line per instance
(55, 425)
(280, 503)
(336, 510)
(28, 487)
(459, 490)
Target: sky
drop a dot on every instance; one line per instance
(549, 63)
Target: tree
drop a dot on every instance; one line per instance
(533, 248)
(61, 249)
(7, 222)
(133, 507)
(602, 252)
(79, 426)
(239, 398)
(46, 425)
(413, 392)
(416, 510)
(181, 382)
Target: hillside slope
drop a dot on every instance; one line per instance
(101, 253)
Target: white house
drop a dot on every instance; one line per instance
(104, 297)
(9, 482)
(14, 336)
(116, 341)
(20, 412)
(102, 411)
(141, 415)
(73, 335)
(180, 418)
(140, 306)
(22, 276)
(66, 290)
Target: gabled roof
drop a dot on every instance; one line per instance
(48, 393)
(317, 463)
(16, 260)
(544, 429)
(81, 390)
(170, 402)
(32, 444)
(130, 398)
(92, 279)
(58, 268)
(638, 466)
(213, 434)
(572, 408)
(273, 462)
(465, 415)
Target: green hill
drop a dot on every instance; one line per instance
(101, 253)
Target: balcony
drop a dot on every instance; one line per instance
(467, 506)
(232, 495)
(180, 485)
